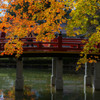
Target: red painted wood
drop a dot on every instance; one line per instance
(57, 44)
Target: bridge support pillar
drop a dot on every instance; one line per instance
(19, 84)
(59, 72)
(97, 76)
(53, 76)
(88, 74)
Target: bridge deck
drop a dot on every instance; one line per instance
(58, 46)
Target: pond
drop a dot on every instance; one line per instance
(37, 86)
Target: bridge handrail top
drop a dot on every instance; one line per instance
(74, 38)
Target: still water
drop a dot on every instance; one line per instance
(37, 86)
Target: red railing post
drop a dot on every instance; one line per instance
(98, 46)
(60, 41)
(79, 46)
(40, 44)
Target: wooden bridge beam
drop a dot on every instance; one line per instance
(19, 84)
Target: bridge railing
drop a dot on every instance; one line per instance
(57, 44)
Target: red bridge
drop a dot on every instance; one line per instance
(57, 45)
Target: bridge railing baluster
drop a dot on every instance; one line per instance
(57, 44)
(40, 44)
(60, 41)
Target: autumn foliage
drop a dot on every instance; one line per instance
(85, 19)
(43, 17)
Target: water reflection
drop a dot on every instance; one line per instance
(1, 95)
(96, 95)
(88, 96)
(37, 87)
(91, 94)
(59, 95)
(19, 95)
(31, 94)
(27, 94)
(56, 95)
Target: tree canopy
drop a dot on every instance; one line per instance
(85, 19)
(43, 17)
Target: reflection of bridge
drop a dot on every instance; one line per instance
(57, 48)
